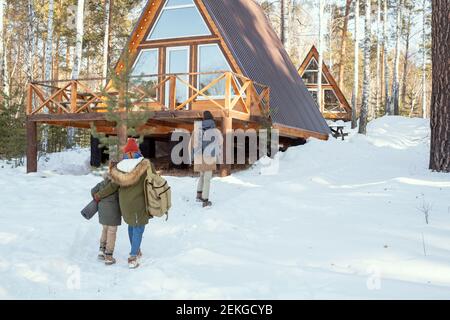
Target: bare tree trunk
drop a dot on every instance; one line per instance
(395, 81)
(49, 42)
(283, 21)
(440, 97)
(406, 57)
(387, 101)
(79, 41)
(48, 64)
(77, 59)
(6, 86)
(56, 55)
(320, 49)
(106, 40)
(365, 107)
(344, 43)
(2, 41)
(30, 41)
(356, 69)
(424, 63)
(378, 68)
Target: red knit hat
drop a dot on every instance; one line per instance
(131, 146)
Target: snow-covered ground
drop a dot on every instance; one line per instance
(336, 219)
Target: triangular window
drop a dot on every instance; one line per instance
(311, 72)
(331, 102)
(313, 66)
(179, 19)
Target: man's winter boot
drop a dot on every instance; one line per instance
(133, 262)
(207, 203)
(109, 259)
(199, 196)
(101, 253)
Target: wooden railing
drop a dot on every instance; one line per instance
(227, 91)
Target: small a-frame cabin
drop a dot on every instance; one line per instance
(217, 55)
(334, 105)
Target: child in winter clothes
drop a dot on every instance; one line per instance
(110, 218)
(128, 178)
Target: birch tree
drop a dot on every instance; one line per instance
(365, 107)
(77, 58)
(79, 40)
(320, 49)
(49, 42)
(387, 102)
(378, 67)
(2, 40)
(406, 58)
(48, 64)
(106, 39)
(356, 69)
(30, 41)
(395, 81)
(424, 62)
(283, 21)
(344, 43)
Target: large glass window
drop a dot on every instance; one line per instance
(211, 59)
(310, 76)
(177, 62)
(331, 102)
(146, 64)
(178, 19)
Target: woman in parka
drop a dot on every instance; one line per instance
(110, 218)
(128, 178)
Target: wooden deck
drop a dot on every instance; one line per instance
(241, 103)
(78, 103)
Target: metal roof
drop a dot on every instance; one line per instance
(262, 58)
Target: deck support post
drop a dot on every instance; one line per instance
(32, 149)
(227, 127)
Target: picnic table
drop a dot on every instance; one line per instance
(338, 131)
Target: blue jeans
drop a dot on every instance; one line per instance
(135, 234)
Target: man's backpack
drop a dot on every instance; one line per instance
(158, 196)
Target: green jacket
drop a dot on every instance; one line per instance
(131, 193)
(108, 208)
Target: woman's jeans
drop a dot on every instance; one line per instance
(135, 234)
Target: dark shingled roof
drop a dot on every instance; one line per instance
(262, 58)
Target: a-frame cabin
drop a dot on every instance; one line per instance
(217, 55)
(334, 105)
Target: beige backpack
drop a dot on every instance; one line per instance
(158, 196)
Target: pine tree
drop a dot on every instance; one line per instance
(121, 110)
(440, 96)
(395, 82)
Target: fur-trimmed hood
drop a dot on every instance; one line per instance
(128, 179)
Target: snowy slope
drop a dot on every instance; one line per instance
(338, 219)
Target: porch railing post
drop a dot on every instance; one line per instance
(172, 92)
(227, 92)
